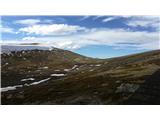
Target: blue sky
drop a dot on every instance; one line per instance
(94, 36)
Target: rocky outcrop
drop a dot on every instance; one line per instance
(148, 92)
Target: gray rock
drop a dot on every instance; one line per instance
(127, 88)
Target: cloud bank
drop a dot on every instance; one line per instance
(28, 21)
(145, 21)
(52, 29)
(6, 29)
(117, 38)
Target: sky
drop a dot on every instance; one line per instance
(93, 36)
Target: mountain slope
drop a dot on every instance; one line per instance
(63, 77)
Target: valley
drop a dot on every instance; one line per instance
(61, 77)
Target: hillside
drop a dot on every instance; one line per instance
(62, 77)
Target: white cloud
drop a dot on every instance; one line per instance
(6, 30)
(84, 17)
(117, 38)
(135, 21)
(109, 19)
(28, 38)
(97, 17)
(53, 29)
(28, 21)
(144, 21)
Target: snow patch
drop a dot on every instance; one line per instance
(45, 67)
(95, 65)
(10, 88)
(74, 67)
(98, 65)
(57, 75)
(14, 87)
(27, 79)
(67, 70)
(35, 83)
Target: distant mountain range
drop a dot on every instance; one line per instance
(10, 48)
(41, 75)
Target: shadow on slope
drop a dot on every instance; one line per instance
(148, 93)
